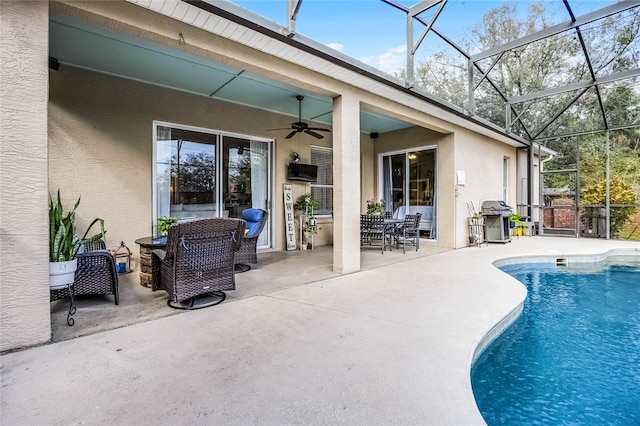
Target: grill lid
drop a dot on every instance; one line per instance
(496, 207)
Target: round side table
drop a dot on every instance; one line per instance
(147, 245)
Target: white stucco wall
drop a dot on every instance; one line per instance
(24, 230)
(481, 159)
(101, 147)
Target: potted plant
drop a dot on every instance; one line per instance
(309, 228)
(164, 223)
(375, 207)
(306, 204)
(515, 222)
(64, 244)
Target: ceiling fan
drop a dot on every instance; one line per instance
(300, 126)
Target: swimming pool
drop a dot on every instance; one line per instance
(572, 357)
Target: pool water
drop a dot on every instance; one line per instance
(572, 357)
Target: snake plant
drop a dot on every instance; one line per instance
(63, 242)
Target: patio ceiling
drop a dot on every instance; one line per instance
(81, 44)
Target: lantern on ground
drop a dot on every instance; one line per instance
(123, 259)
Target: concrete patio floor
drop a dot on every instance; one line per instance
(274, 271)
(391, 344)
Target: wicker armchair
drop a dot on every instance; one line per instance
(256, 220)
(198, 261)
(96, 274)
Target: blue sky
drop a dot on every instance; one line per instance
(375, 33)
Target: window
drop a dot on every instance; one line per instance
(322, 190)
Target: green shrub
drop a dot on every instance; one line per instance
(620, 193)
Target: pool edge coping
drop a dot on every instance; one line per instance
(608, 258)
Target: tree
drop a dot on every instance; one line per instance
(240, 177)
(612, 45)
(445, 76)
(193, 175)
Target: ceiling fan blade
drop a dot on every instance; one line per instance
(300, 126)
(281, 128)
(314, 134)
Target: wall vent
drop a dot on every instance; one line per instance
(561, 261)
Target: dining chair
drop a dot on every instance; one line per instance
(408, 232)
(372, 231)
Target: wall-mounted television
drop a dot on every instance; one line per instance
(302, 172)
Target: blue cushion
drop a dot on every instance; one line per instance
(253, 217)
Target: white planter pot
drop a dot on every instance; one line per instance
(62, 273)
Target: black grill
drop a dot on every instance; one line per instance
(496, 218)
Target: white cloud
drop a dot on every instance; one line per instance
(336, 46)
(392, 61)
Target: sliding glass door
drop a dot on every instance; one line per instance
(245, 179)
(409, 187)
(202, 173)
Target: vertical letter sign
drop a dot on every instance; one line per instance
(290, 229)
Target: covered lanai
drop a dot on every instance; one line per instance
(99, 96)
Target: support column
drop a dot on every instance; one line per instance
(25, 317)
(346, 184)
(607, 200)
